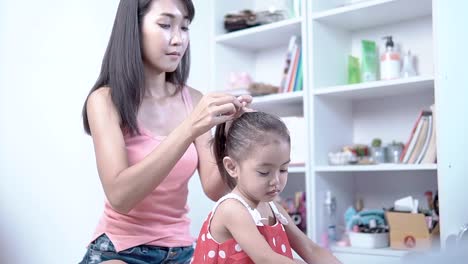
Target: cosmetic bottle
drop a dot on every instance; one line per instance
(330, 218)
(389, 61)
(408, 66)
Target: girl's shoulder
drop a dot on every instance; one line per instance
(230, 207)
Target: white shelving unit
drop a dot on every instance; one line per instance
(369, 13)
(378, 88)
(262, 37)
(350, 114)
(270, 103)
(338, 114)
(376, 168)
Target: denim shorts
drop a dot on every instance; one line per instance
(102, 249)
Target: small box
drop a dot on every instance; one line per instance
(408, 231)
(367, 240)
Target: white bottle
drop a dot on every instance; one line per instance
(389, 61)
(330, 217)
(408, 66)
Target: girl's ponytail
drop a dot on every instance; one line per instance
(219, 148)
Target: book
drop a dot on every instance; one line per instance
(298, 81)
(295, 71)
(287, 61)
(405, 154)
(292, 68)
(426, 142)
(431, 153)
(420, 139)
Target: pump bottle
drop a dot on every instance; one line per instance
(389, 61)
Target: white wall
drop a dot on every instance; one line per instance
(50, 194)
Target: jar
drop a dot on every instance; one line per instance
(394, 152)
(378, 154)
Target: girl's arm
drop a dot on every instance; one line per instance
(212, 183)
(239, 223)
(304, 246)
(126, 185)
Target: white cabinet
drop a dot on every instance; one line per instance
(451, 82)
(338, 114)
(355, 114)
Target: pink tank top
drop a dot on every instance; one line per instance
(160, 219)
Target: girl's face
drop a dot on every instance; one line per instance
(263, 174)
(165, 35)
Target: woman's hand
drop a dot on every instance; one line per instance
(214, 109)
(245, 100)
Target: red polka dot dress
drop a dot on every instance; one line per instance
(229, 252)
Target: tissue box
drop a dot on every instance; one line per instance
(366, 240)
(409, 231)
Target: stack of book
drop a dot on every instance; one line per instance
(421, 145)
(292, 72)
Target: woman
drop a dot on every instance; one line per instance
(148, 138)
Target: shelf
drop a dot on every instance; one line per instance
(262, 37)
(378, 88)
(296, 168)
(379, 167)
(279, 98)
(370, 251)
(374, 13)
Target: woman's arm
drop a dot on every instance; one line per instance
(126, 185)
(239, 223)
(304, 246)
(212, 183)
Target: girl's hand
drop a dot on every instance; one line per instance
(214, 109)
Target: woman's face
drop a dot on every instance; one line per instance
(165, 35)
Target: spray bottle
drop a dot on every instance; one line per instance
(329, 235)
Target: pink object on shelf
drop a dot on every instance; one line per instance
(356, 228)
(239, 80)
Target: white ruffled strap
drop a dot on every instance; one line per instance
(253, 212)
(280, 217)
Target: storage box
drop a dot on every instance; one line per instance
(409, 231)
(366, 240)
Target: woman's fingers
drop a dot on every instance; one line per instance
(226, 100)
(224, 110)
(245, 98)
(223, 107)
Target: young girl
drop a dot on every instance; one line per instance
(150, 133)
(246, 226)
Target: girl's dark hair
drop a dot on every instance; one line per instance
(122, 65)
(242, 136)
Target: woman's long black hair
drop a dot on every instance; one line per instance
(122, 65)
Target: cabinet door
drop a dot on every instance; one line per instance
(451, 95)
